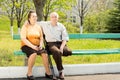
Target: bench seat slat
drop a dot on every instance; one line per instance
(19, 52)
(91, 51)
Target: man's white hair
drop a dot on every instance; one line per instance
(55, 14)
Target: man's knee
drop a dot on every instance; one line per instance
(67, 53)
(55, 50)
(56, 53)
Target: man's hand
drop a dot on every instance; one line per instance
(62, 46)
(61, 49)
(26, 23)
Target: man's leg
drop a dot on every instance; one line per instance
(67, 51)
(57, 56)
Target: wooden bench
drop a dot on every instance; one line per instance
(84, 36)
(80, 52)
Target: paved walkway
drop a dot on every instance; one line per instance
(83, 77)
(95, 77)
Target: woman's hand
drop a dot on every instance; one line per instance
(36, 48)
(40, 48)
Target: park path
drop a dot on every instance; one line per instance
(82, 77)
(95, 77)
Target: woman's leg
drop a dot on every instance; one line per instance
(31, 62)
(45, 62)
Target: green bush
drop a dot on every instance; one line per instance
(71, 28)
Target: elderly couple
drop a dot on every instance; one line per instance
(32, 41)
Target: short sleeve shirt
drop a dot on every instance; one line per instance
(54, 33)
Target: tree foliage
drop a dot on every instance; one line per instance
(97, 17)
(16, 9)
(61, 6)
(9, 7)
(96, 23)
(114, 18)
(22, 7)
(82, 7)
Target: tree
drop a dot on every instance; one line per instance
(9, 7)
(96, 19)
(16, 9)
(56, 5)
(1, 2)
(22, 8)
(82, 7)
(45, 7)
(114, 18)
(39, 5)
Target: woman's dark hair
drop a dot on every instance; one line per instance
(29, 14)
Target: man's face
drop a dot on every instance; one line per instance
(54, 18)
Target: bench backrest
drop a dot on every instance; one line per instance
(94, 36)
(85, 36)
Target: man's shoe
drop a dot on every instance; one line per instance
(61, 76)
(54, 78)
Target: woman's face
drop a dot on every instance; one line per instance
(33, 18)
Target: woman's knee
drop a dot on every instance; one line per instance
(44, 55)
(33, 55)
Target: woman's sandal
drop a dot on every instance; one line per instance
(48, 76)
(30, 77)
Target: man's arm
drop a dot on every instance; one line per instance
(65, 38)
(62, 45)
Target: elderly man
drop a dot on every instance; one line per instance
(56, 37)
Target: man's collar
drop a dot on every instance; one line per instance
(51, 24)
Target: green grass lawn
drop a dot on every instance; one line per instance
(8, 45)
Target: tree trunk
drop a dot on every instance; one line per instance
(18, 24)
(81, 26)
(19, 30)
(39, 5)
(81, 15)
(12, 17)
(45, 17)
(11, 26)
(11, 30)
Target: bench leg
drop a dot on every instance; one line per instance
(25, 61)
(51, 66)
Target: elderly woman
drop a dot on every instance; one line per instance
(31, 44)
